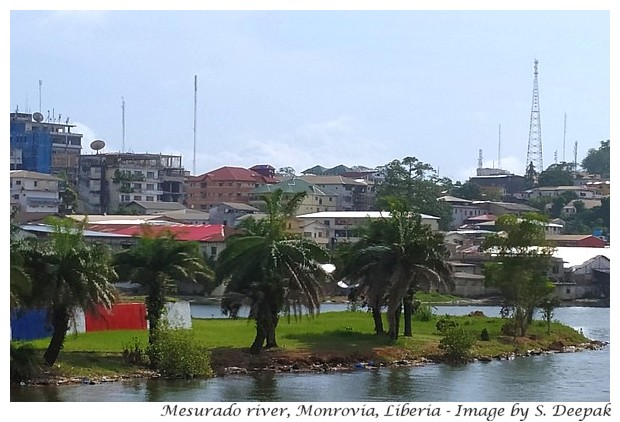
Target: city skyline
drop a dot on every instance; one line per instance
(304, 88)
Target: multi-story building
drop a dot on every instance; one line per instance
(44, 145)
(33, 195)
(331, 227)
(317, 199)
(110, 181)
(352, 195)
(226, 184)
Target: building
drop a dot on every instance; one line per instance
(228, 213)
(44, 145)
(225, 184)
(582, 192)
(108, 182)
(34, 195)
(576, 240)
(351, 194)
(332, 227)
(317, 199)
(463, 209)
(505, 184)
(152, 207)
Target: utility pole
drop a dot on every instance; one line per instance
(534, 145)
(123, 121)
(564, 141)
(195, 107)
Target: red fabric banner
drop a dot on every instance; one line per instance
(122, 316)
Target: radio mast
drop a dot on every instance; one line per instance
(534, 145)
(195, 106)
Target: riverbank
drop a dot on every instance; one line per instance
(336, 341)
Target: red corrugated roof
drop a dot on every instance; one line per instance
(233, 174)
(191, 232)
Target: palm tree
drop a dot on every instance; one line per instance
(66, 273)
(273, 270)
(396, 257)
(157, 262)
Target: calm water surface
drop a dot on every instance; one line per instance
(564, 377)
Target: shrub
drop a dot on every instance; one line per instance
(23, 362)
(179, 355)
(446, 324)
(484, 335)
(457, 344)
(135, 354)
(423, 313)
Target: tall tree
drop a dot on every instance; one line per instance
(67, 273)
(399, 256)
(556, 175)
(416, 184)
(598, 160)
(19, 278)
(274, 270)
(157, 262)
(519, 267)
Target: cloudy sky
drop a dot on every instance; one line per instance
(299, 88)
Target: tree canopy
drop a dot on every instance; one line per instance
(598, 160)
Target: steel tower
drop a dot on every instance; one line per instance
(534, 144)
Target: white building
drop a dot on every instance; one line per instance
(34, 194)
(331, 227)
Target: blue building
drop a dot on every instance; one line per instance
(44, 145)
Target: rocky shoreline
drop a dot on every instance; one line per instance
(279, 361)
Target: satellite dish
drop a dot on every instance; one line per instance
(97, 144)
(38, 117)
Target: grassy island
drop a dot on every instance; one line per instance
(327, 342)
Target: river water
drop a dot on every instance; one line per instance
(561, 377)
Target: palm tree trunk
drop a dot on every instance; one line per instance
(376, 316)
(60, 324)
(260, 337)
(395, 322)
(271, 332)
(408, 313)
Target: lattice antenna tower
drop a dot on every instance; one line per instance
(479, 158)
(534, 144)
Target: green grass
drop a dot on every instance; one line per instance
(434, 297)
(99, 353)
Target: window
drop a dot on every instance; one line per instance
(125, 198)
(16, 196)
(567, 291)
(326, 222)
(18, 182)
(35, 183)
(203, 185)
(213, 250)
(150, 198)
(137, 186)
(151, 175)
(137, 197)
(307, 234)
(150, 186)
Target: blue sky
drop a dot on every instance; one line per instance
(299, 88)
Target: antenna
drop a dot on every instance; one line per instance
(499, 149)
(40, 84)
(534, 145)
(555, 156)
(195, 106)
(123, 121)
(479, 158)
(38, 117)
(564, 140)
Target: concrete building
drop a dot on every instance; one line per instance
(34, 195)
(228, 213)
(225, 184)
(582, 192)
(44, 145)
(463, 209)
(351, 194)
(110, 181)
(317, 199)
(332, 227)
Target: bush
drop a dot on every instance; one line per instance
(135, 354)
(179, 355)
(484, 335)
(457, 344)
(23, 362)
(446, 324)
(423, 313)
